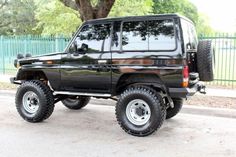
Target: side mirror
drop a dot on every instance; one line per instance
(83, 48)
(78, 49)
(73, 47)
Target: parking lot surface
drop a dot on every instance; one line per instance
(93, 131)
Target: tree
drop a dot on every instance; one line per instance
(183, 7)
(17, 17)
(89, 9)
(186, 8)
(3, 4)
(55, 18)
(203, 26)
(131, 8)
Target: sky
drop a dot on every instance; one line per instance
(221, 13)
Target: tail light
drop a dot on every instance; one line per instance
(185, 76)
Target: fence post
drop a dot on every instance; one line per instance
(1, 51)
(26, 43)
(2, 55)
(57, 43)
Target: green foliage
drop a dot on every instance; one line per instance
(183, 7)
(131, 8)
(186, 8)
(203, 26)
(56, 19)
(17, 17)
(51, 17)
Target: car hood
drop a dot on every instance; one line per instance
(40, 58)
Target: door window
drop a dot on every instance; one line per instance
(97, 37)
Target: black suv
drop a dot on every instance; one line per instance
(147, 63)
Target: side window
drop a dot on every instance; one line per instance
(148, 35)
(161, 35)
(193, 37)
(115, 43)
(95, 36)
(134, 35)
(189, 34)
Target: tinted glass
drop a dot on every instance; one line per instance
(189, 34)
(134, 36)
(115, 43)
(149, 35)
(95, 36)
(185, 31)
(161, 35)
(193, 37)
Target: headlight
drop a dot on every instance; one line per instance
(18, 65)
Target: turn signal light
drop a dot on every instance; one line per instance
(49, 62)
(185, 83)
(18, 65)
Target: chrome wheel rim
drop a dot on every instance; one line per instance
(138, 112)
(30, 102)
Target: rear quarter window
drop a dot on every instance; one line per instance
(151, 35)
(161, 35)
(189, 35)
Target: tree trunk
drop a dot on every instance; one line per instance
(87, 11)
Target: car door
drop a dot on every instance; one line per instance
(86, 68)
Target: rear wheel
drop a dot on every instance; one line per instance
(140, 110)
(34, 101)
(171, 112)
(76, 103)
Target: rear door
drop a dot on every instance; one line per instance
(190, 43)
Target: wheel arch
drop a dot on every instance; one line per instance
(29, 74)
(149, 79)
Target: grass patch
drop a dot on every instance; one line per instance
(7, 86)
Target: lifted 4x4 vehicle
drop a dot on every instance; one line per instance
(149, 64)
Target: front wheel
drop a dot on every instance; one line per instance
(34, 101)
(76, 103)
(140, 110)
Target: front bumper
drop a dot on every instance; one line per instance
(186, 92)
(14, 81)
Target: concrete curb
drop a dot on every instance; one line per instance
(7, 92)
(230, 93)
(5, 78)
(209, 111)
(187, 109)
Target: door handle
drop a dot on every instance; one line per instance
(102, 61)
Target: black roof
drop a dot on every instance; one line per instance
(138, 17)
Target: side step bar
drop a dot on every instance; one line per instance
(81, 94)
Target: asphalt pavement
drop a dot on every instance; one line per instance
(94, 132)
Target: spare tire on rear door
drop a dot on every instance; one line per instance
(205, 54)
